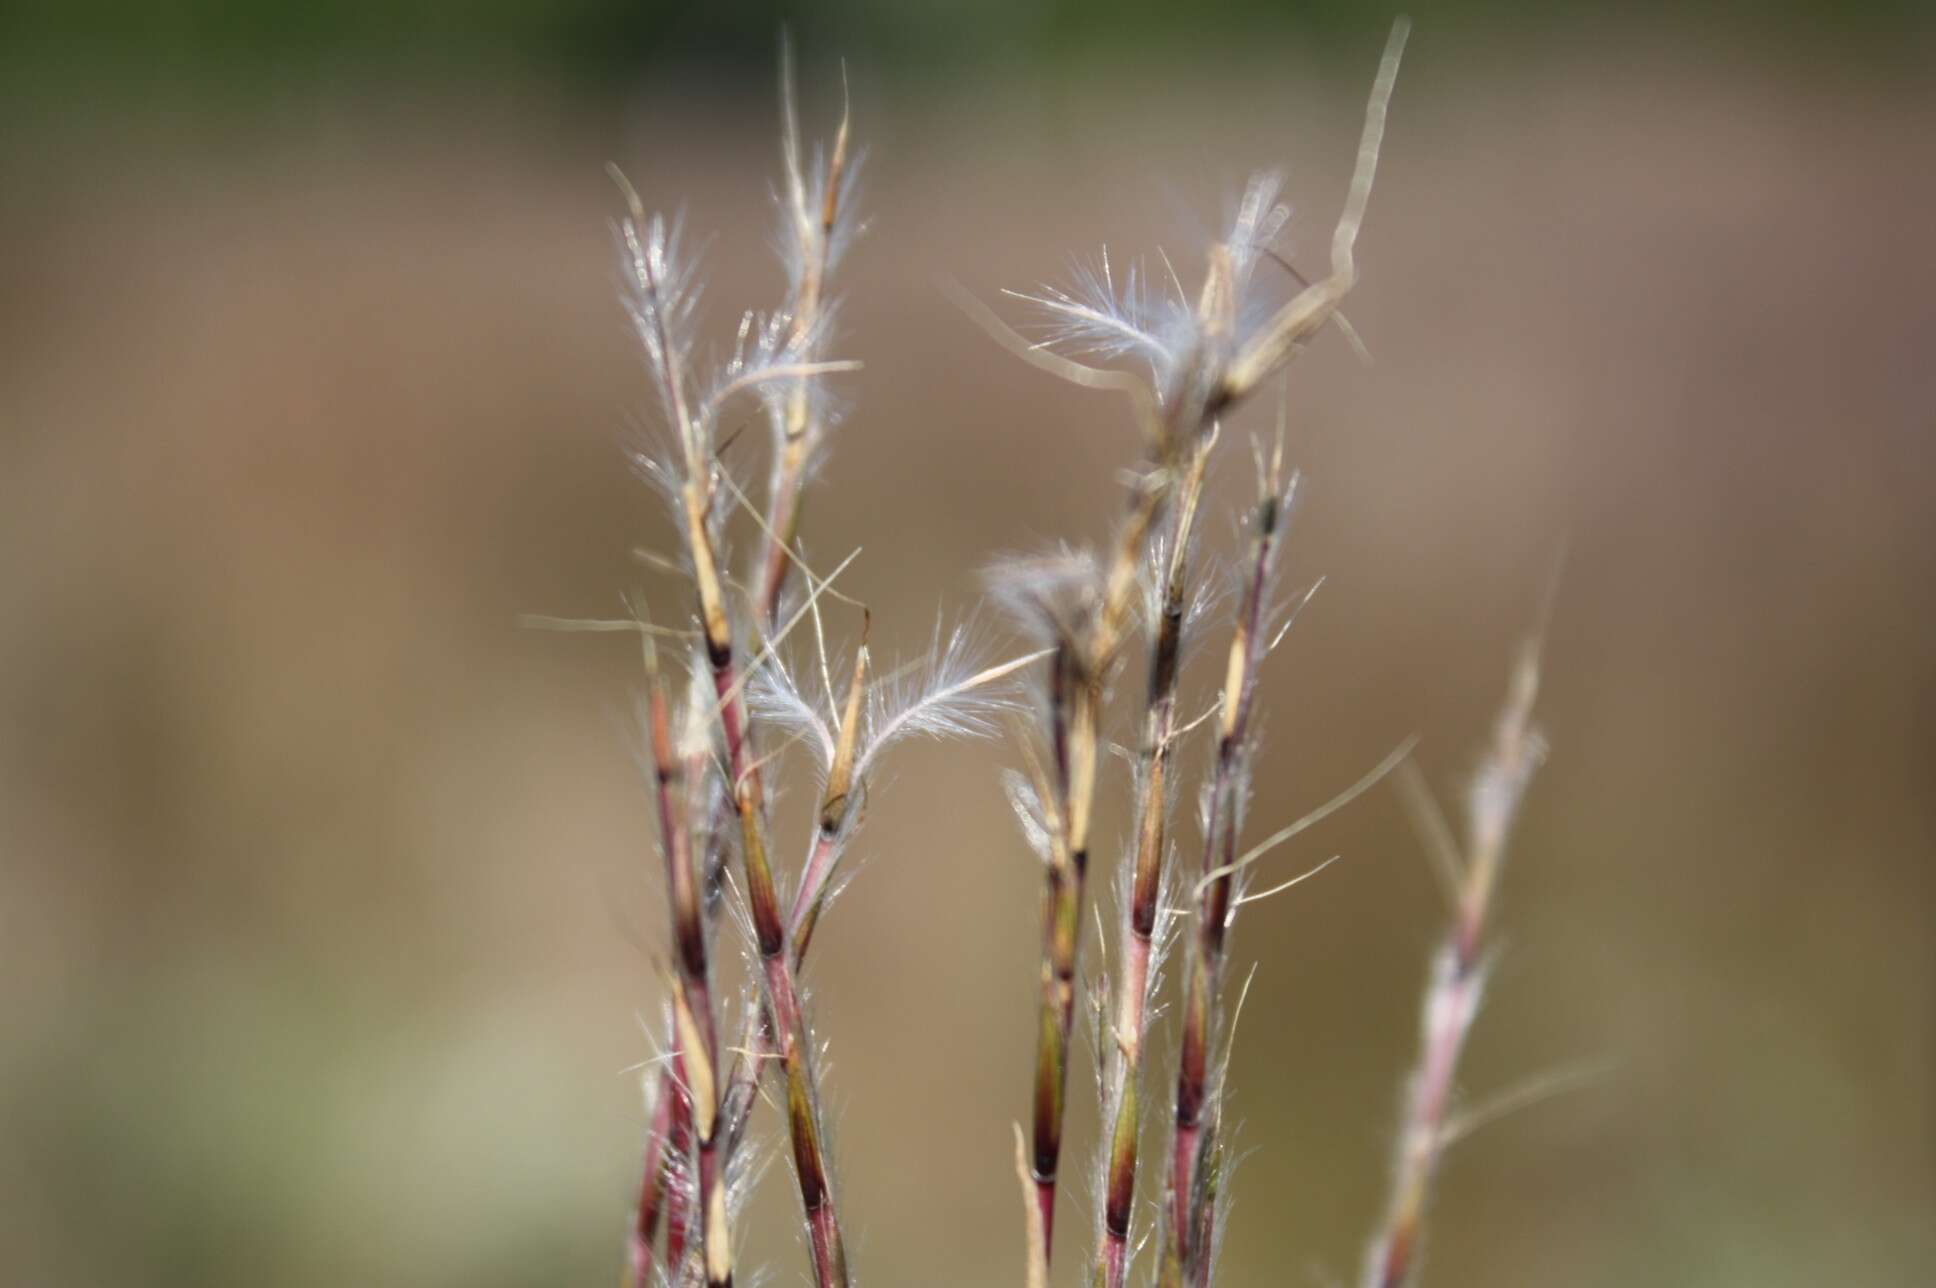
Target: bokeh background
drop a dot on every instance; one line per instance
(328, 923)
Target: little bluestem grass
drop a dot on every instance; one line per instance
(744, 700)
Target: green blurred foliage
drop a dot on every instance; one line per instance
(220, 43)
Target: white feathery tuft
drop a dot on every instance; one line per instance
(953, 695)
(777, 700)
(1050, 596)
(661, 296)
(1029, 814)
(1091, 315)
(1255, 227)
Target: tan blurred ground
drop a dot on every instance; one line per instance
(327, 914)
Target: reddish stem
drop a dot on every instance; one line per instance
(652, 1188)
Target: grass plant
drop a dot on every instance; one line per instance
(752, 683)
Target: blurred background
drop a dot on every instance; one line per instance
(329, 923)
